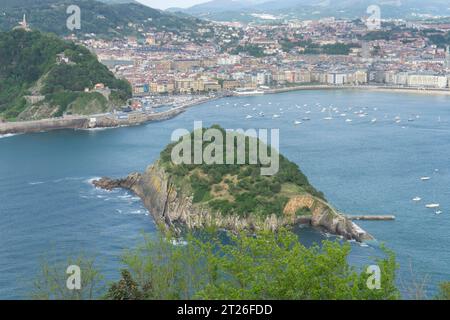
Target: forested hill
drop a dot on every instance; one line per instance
(43, 76)
(102, 19)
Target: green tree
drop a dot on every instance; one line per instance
(262, 266)
(444, 291)
(51, 282)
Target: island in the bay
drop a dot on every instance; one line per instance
(233, 197)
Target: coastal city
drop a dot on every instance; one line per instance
(250, 59)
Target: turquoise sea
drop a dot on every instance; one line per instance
(48, 207)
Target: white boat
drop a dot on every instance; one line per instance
(248, 117)
(348, 120)
(425, 178)
(297, 122)
(438, 212)
(276, 115)
(373, 120)
(417, 199)
(433, 205)
(328, 118)
(249, 92)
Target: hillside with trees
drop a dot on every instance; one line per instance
(43, 76)
(114, 19)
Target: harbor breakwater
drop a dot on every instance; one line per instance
(87, 122)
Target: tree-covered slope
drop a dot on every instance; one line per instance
(31, 66)
(239, 189)
(102, 19)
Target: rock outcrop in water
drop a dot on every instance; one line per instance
(172, 208)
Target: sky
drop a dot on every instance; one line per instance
(164, 4)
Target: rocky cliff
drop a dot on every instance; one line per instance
(175, 210)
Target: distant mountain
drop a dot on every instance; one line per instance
(304, 9)
(42, 76)
(219, 6)
(104, 19)
(118, 1)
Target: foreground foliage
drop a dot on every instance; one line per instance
(265, 266)
(51, 283)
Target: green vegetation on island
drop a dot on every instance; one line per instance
(238, 189)
(42, 76)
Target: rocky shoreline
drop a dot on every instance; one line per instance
(176, 211)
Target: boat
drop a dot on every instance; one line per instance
(417, 199)
(425, 178)
(328, 118)
(433, 205)
(373, 120)
(248, 117)
(306, 119)
(348, 120)
(438, 212)
(297, 122)
(276, 115)
(248, 92)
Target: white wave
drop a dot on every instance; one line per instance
(36, 183)
(8, 135)
(90, 181)
(94, 129)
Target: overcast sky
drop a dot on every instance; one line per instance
(164, 4)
